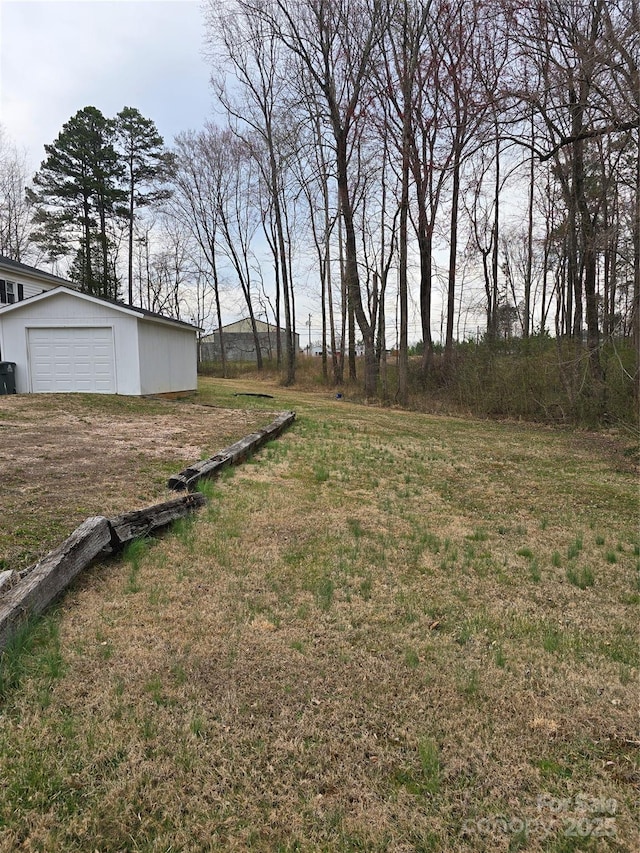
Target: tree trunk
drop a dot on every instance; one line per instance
(403, 355)
(130, 223)
(275, 194)
(351, 269)
(453, 250)
(425, 247)
(526, 325)
(256, 337)
(87, 284)
(636, 280)
(587, 237)
(216, 293)
(496, 245)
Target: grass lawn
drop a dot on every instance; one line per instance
(65, 457)
(388, 631)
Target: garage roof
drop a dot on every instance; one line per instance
(143, 313)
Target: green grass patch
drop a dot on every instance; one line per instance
(367, 639)
(575, 548)
(581, 577)
(33, 652)
(423, 779)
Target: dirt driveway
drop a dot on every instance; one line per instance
(66, 457)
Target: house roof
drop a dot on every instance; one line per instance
(11, 267)
(243, 326)
(142, 313)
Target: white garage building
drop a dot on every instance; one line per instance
(63, 341)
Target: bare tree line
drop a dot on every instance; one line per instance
(506, 135)
(385, 154)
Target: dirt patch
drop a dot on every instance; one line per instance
(64, 458)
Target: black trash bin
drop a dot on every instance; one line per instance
(7, 377)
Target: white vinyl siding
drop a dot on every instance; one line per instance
(71, 359)
(168, 358)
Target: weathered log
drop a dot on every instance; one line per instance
(142, 522)
(52, 574)
(49, 577)
(233, 455)
(208, 468)
(7, 580)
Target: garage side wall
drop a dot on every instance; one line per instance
(63, 311)
(168, 358)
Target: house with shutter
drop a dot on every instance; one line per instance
(19, 281)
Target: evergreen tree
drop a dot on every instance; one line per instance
(76, 196)
(146, 164)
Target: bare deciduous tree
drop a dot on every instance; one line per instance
(258, 114)
(336, 44)
(15, 210)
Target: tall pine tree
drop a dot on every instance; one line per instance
(76, 196)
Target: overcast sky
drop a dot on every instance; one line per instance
(58, 56)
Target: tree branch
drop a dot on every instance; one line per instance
(588, 134)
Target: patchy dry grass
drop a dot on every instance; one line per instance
(66, 457)
(369, 640)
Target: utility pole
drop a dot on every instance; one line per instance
(309, 325)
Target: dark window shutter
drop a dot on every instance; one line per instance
(20, 292)
(3, 291)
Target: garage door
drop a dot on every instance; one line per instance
(72, 359)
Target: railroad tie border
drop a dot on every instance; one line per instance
(24, 595)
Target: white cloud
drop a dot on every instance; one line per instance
(59, 56)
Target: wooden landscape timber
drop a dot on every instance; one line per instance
(52, 575)
(143, 522)
(233, 455)
(8, 579)
(28, 594)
